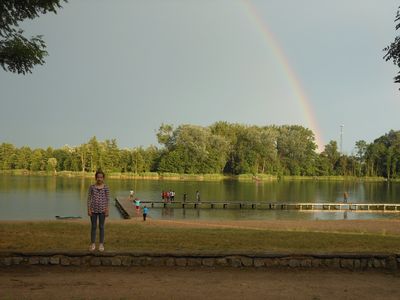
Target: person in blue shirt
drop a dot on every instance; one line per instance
(145, 211)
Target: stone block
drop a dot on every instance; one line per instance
(326, 262)
(357, 264)
(270, 262)
(305, 263)
(54, 260)
(95, 261)
(126, 261)
(44, 260)
(6, 261)
(85, 261)
(377, 263)
(194, 262)
(34, 260)
(247, 261)
(284, 262)
(136, 261)
(258, 262)
(147, 261)
(235, 262)
(335, 263)
(222, 261)
(181, 262)
(391, 263)
(316, 263)
(383, 263)
(75, 261)
(364, 263)
(17, 260)
(170, 262)
(106, 261)
(294, 263)
(115, 261)
(370, 263)
(158, 261)
(208, 262)
(65, 261)
(347, 263)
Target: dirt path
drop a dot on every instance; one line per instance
(174, 283)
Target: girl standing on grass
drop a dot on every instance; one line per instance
(97, 203)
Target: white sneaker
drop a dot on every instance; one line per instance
(101, 247)
(92, 247)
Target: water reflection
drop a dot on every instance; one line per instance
(245, 214)
(37, 197)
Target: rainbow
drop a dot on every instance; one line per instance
(288, 71)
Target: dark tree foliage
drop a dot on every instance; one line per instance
(19, 54)
(220, 148)
(393, 50)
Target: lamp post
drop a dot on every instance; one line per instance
(341, 139)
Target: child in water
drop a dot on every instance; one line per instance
(137, 203)
(145, 211)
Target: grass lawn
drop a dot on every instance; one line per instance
(59, 235)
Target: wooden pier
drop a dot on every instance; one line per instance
(127, 209)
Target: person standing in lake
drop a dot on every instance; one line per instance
(97, 203)
(345, 197)
(197, 196)
(145, 212)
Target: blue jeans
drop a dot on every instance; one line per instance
(93, 219)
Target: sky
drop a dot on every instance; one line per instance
(119, 69)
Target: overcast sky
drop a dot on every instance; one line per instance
(119, 69)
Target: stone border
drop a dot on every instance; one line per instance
(349, 261)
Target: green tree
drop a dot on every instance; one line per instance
(138, 161)
(245, 153)
(164, 135)
(393, 50)
(296, 150)
(192, 149)
(8, 156)
(38, 160)
(230, 133)
(24, 155)
(111, 156)
(83, 151)
(361, 150)
(18, 53)
(52, 164)
(383, 155)
(330, 159)
(94, 154)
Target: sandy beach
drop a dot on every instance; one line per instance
(376, 226)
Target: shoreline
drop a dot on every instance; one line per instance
(193, 177)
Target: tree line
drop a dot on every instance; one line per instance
(221, 148)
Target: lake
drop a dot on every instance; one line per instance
(42, 198)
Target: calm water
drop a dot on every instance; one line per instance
(35, 197)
